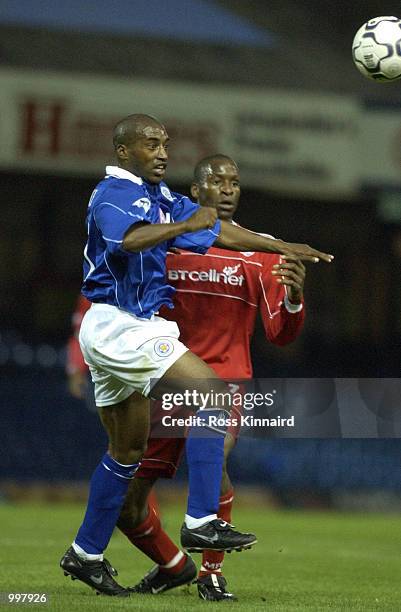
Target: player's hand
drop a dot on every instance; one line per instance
(77, 384)
(303, 252)
(291, 272)
(204, 217)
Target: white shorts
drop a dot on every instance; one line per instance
(124, 352)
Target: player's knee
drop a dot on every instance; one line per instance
(131, 455)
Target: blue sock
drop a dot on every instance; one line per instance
(205, 457)
(108, 488)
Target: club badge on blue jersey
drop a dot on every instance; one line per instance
(167, 193)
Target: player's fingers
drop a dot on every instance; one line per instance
(309, 258)
(301, 267)
(325, 256)
(306, 253)
(302, 256)
(305, 249)
(289, 282)
(290, 269)
(289, 265)
(290, 275)
(295, 260)
(287, 270)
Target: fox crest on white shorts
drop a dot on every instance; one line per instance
(163, 347)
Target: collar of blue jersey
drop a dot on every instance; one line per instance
(154, 190)
(118, 172)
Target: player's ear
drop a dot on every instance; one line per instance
(121, 151)
(194, 191)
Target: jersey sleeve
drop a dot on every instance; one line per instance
(198, 242)
(75, 361)
(282, 320)
(114, 220)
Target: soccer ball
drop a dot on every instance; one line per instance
(376, 49)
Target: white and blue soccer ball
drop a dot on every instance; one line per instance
(376, 49)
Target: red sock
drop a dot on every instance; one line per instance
(212, 560)
(152, 540)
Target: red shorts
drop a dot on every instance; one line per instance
(162, 458)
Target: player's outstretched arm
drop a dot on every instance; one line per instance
(238, 238)
(141, 236)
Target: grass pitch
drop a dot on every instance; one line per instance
(303, 561)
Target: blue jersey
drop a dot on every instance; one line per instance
(135, 282)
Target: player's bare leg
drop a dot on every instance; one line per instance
(127, 426)
(188, 367)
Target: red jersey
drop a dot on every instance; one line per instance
(217, 299)
(75, 360)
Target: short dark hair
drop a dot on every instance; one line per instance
(204, 166)
(129, 128)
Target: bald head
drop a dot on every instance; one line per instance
(132, 127)
(206, 166)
